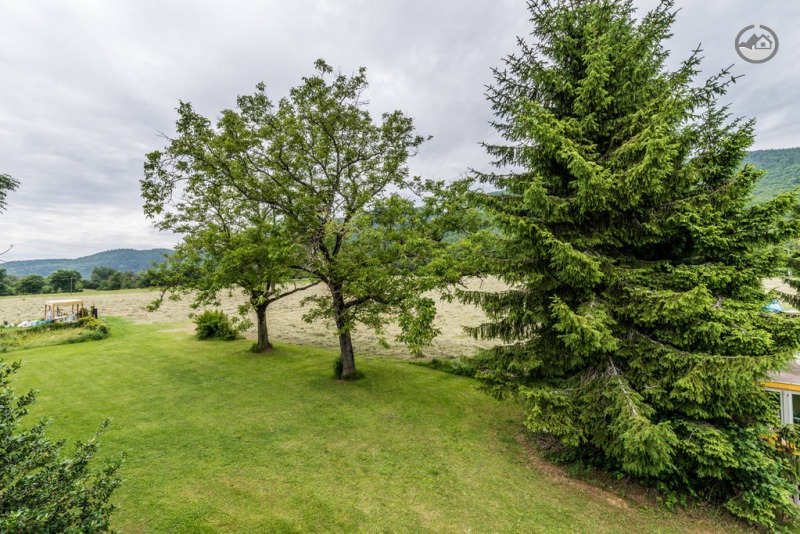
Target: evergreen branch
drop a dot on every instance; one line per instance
(617, 376)
(682, 352)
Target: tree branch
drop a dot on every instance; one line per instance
(295, 290)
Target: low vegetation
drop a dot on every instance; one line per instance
(214, 324)
(86, 329)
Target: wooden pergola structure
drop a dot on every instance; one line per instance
(56, 310)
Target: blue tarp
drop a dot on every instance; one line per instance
(774, 307)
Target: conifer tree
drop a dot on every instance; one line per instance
(44, 485)
(632, 327)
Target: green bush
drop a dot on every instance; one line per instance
(94, 325)
(215, 325)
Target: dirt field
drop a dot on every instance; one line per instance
(284, 319)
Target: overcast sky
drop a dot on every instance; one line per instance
(86, 87)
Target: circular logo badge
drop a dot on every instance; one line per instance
(756, 43)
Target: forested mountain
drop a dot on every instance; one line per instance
(123, 259)
(783, 171)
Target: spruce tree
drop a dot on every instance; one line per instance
(46, 486)
(632, 326)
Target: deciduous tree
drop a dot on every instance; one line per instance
(336, 176)
(7, 185)
(330, 176)
(99, 277)
(6, 286)
(255, 259)
(31, 284)
(65, 280)
(229, 240)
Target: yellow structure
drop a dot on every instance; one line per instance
(63, 310)
(786, 385)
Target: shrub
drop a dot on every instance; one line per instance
(94, 325)
(215, 325)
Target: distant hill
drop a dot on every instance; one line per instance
(123, 259)
(783, 171)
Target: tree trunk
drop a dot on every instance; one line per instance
(262, 344)
(345, 342)
(348, 358)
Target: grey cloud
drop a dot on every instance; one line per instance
(87, 86)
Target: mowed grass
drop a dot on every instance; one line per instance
(222, 440)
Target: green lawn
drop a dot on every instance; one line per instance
(220, 439)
